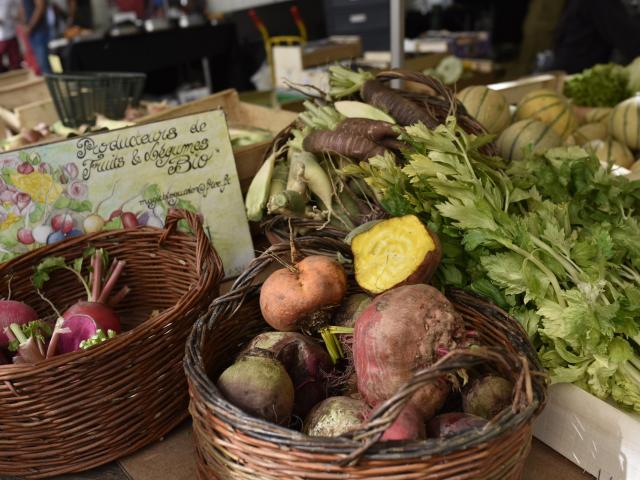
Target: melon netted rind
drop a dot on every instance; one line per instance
(625, 122)
(548, 107)
(516, 139)
(489, 107)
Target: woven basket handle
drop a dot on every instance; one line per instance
(385, 414)
(203, 245)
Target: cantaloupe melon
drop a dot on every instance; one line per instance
(586, 133)
(611, 151)
(634, 173)
(516, 138)
(548, 107)
(598, 114)
(625, 122)
(489, 107)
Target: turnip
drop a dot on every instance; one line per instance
(401, 332)
(41, 233)
(487, 396)
(94, 223)
(85, 318)
(295, 297)
(306, 362)
(259, 385)
(335, 416)
(451, 424)
(14, 312)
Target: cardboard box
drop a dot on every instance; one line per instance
(27, 103)
(248, 158)
(593, 434)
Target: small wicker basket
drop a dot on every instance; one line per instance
(231, 444)
(84, 409)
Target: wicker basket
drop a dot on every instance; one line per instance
(84, 409)
(231, 444)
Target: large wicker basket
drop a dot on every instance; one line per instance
(84, 409)
(231, 444)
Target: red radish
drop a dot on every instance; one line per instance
(25, 168)
(62, 222)
(129, 220)
(409, 425)
(83, 320)
(12, 311)
(25, 236)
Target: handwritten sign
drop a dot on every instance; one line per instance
(124, 178)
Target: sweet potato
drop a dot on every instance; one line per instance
(334, 416)
(259, 385)
(306, 362)
(451, 424)
(487, 396)
(293, 297)
(400, 332)
(393, 252)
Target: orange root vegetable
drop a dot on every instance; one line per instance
(393, 252)
(487, 396)
(400, 333)
(306, 362)
(296, 297)
(342, 143)
(260, 386)
(334, 416)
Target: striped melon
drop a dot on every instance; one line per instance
(548, 107)
(598, 114)
(625, 122)
(586, 133)
(634, 171)
(611, 151)
(489, 107)
(512, 143)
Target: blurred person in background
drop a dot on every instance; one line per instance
(596, 31)
(37, 30)
(9, 47)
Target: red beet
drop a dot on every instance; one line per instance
(12, 311)
(334, 416)
(399, 333)
(451, 424)
(83, 320)
(487, 396)
(305, 361)
(409, 425)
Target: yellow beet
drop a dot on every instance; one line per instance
(397, 251)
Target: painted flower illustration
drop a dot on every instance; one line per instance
(70, 170)
(77, 190)
(40, 186)
(9, 163)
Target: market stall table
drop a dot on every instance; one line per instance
(153, 52)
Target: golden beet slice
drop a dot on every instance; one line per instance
(397, 251)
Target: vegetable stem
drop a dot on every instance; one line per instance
(111, 281)
(97, 275)
(19, 334)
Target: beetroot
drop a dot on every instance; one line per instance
(306, 362)
(334, 416)
(401, 332)
(487, 396)
(451, 424)
(260, 386)
(409, 425)
(12, 311)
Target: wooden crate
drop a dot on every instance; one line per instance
(514, 90)
(14, 76)
(26, 104)
(248, 158)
